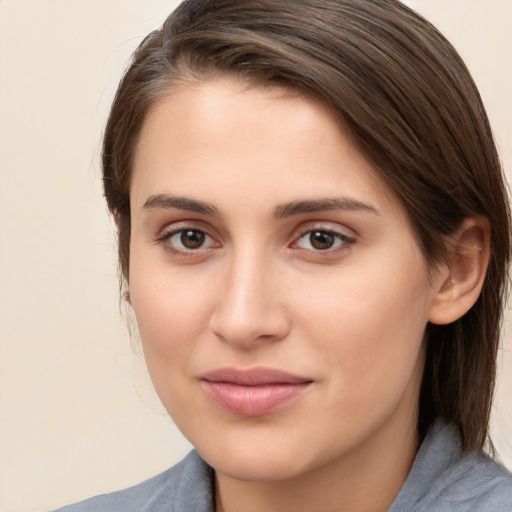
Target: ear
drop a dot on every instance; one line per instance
(126, 296)
(459, 280)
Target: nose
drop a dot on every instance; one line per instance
(250, 308)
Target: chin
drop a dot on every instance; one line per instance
(262, 455)
(267, 466)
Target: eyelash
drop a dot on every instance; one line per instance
(343, 241)
(165, 241)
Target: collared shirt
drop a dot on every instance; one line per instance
(442, 479)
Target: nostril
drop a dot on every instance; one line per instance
(247, 327)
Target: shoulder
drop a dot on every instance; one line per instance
(186, 486)
(476, 483)
(445, 479)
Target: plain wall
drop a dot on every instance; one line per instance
(78, 414)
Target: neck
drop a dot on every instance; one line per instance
(367, 480)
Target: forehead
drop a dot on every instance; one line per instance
(211, 108)
(249, 139)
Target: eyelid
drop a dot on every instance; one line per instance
(180, 225)
(331, 227)
(164, 235)
(344, 233)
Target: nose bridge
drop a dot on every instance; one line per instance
(249, 307)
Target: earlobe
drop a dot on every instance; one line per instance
(459, 286)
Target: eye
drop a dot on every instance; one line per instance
(187, 240)
(322, 240)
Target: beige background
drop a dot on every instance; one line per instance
(78, 415)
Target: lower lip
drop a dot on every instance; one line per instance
(253, 400)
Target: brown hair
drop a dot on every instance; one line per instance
(409, 103)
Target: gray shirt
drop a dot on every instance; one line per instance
(442, 479)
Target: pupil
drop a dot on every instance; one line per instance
(192, 239)
(321, 240)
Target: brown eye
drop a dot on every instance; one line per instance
(187, 241)
(321, 240)
(192, 238)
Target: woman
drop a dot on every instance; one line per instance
(314, 237)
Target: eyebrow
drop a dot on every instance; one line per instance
(322, 205)
(165, 201)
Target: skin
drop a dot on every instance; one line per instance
(257, 293)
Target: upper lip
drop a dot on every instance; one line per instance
(253, 376)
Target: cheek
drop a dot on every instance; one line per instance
(369, 325)
(172, 310)
(170, 320)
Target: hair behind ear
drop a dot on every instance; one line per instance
(463, 333)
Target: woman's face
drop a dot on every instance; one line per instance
(280, 294)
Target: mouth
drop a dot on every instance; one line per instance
(253, 392)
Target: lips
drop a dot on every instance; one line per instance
(252, 392)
